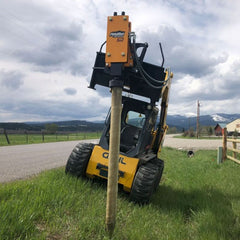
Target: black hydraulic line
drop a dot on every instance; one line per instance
(151, 78)
(102, 46)
(144, 74)
(160, 45)
(140, 70)
(147, 81)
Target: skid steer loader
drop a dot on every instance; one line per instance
(142, 126)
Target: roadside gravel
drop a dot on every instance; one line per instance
(191, 144)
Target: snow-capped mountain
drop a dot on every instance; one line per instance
(219, 118)
(205, 120)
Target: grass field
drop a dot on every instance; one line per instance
(16, 139)
(196, 199)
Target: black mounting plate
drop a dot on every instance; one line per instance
(133, 82)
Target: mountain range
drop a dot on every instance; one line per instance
(178, 121)
(181, 122)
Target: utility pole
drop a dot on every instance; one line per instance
(198, 115)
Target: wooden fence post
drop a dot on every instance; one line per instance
(5, 133)
(224, 153)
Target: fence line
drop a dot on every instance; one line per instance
(21, 131)
(12, 136)
(234, 149)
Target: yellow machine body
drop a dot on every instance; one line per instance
(98, 166)
(117, 44)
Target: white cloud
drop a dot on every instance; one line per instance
(47, 50)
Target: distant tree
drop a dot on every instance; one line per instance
(210, 131)
(185, 134)
(189, 133)
(51, 128)
(172, 130)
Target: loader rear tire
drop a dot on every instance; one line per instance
(78, 159)
(144, 183)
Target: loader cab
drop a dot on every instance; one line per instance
(138, 120)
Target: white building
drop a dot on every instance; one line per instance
(234, 125)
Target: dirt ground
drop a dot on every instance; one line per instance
(191, 144)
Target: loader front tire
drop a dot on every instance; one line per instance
(160, 164)
(144, 183)
(78, 159)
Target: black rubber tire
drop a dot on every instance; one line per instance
(160, 164)
(78, 159)
(144, 183)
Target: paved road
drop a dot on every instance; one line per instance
(21, 161)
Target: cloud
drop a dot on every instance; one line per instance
(61, 51)
(56, 110)
(48, 48)
(70, 91)
(183, 56)
(36, 34)
(218, 92)
(229, 82)
(11, 80)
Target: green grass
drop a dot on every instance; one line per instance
(237, 155)
(196, 199)
(16, 139)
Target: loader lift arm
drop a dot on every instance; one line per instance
(162, 127)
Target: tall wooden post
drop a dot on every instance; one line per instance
(112, 187)
(117, 55)
(224, 153)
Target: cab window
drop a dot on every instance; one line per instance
(135, 119)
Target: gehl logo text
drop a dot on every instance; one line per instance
(121, 159)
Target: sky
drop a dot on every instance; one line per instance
(48, 49)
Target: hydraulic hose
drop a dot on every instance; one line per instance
(147, 78)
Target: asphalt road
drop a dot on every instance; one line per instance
(21, 161)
